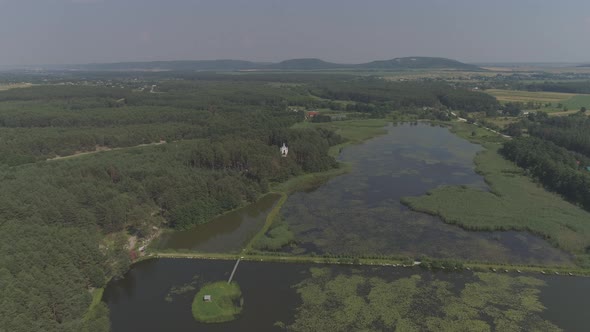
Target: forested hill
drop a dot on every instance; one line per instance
(305, 64)
(293, 64)
(222, 65)
(419, 63)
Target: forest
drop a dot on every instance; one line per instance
(556, 151)
(558, 169)
(567, 87)
(375, 94)
(64, 223)
(571, 132)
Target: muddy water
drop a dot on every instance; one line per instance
(144, 300)
(227, 233)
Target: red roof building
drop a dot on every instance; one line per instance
(311, 114)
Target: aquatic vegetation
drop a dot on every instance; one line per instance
(217, 302)
(357, 303)
(182, 289)
(515, 202)
(360, 213)
(279, 236)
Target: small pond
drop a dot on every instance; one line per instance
(229, 232)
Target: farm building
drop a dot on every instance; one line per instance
(311, 114)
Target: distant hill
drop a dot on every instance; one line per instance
(293, 64)
(173, 65)
(305, 64)
(586, 65)
(419, 63)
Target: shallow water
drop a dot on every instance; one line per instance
(360, 213)
(138, 301)
(227, 233)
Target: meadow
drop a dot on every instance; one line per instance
(526, 96)
(4, 87)
(223, 305)
(352, 131)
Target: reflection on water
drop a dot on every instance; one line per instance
(227, 233)
(138, 302)
(361, 213)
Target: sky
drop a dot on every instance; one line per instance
(344, 31)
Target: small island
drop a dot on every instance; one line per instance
(218, 302)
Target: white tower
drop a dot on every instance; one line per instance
(284, 150)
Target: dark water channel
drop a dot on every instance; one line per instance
(139, 301)
(361, 213)
(227, 233)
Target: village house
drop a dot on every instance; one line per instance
(311, 114)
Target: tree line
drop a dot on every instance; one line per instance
(558, 169)
(571, 132)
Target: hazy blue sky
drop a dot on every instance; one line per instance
(82, 31)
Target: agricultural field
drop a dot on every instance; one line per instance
(551, 102)
(4, 87)
(529, 96)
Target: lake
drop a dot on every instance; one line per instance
(143, 301)
(360, 213)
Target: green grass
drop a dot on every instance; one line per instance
(353, 131)
(577, 102)
(466, 131)
(526, 96)
(503, 122)
(310, 180)
(96, 298)
(225, 304)
(270, 218)
(375, 260)
(278, 236)
(515, 203)
(573, 102)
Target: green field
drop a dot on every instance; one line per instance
(526, 96)
(578, 101)
(515, 203)
(14, 86)
(225, 304)
(571, 101)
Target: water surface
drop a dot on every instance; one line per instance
(360, 213)
(138, 302)
(229, 232)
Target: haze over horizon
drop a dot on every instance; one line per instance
(346, 31)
